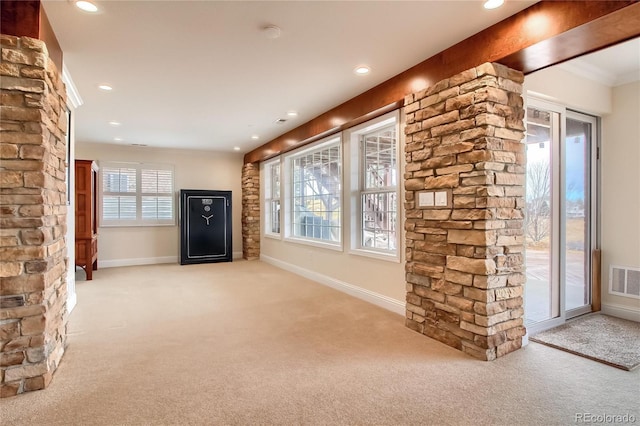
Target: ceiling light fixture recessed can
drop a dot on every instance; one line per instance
(362, 70)
(87, 6)
(105, 87)
(292, 113)
(493, 4)
(117, 139)
(236, 148)
(255, 137)
(115, 123)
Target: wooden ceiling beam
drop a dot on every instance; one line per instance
(26, 18)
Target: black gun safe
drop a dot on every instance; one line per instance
(205, 226)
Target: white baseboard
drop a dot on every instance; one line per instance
(135, 262)
(237, 255)
(623, 312)
(377, 299)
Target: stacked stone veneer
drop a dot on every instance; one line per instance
(464, 263)
(251, 211)
(33, 266)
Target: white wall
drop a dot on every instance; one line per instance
(381, 282)
(621, 189)
(120, 246)
(620, 171)
(573, 91)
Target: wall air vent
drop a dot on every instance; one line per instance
(624, 281)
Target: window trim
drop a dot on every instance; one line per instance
(268, 198)
(139, 221)
(357, 187)
(286, 190)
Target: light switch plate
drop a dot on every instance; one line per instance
(441, 199)
(425, 199)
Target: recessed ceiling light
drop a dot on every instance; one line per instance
(493, 4)
(87, 6)
(281, 121)
(255, 137)
(117, 139)
(236, 148)
(292, 113)
(115, 123)
(362, 70)
(105, 87)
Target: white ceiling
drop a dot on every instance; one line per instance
(203, 75)
(614, 66)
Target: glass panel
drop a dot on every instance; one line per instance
(275, 180)
(577, 147)
(275, 216)
(316, 195)
(380, 168)
(118, 180)
(379, 220)
(540, 295)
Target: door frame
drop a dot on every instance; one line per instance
(558, 202)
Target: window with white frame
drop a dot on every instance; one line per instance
(272, 199)
(376, 202)
(315, 193)
(136, 194)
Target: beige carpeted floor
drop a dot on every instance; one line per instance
(246, 343)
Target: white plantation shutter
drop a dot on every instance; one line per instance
(137, 194)
(157, 194)
(119, 193)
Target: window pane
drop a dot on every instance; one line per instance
(135, 194)
(275, 216)
(275, 180)
(118, 179)
(379, 218)
(316, 194)
(378, 189)
(380, 165)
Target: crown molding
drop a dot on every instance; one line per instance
(584, 69)
(72, 91)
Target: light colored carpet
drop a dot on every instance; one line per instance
(602, 338)
(245, 343)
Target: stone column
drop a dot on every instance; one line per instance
(33, 263)
(251, 211)
(464, 267)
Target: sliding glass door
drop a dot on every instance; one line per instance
(558, 217)
(579, 143)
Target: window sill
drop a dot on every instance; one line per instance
(387, 257)
(134, 225)
(273, 236)
(335, 247)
